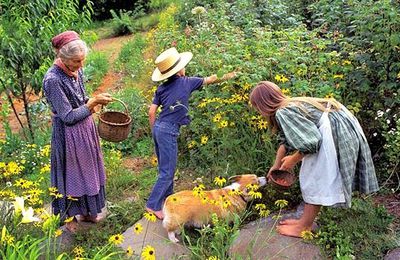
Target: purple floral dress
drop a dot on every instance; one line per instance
(77, 168)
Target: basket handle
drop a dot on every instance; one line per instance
(119, 100)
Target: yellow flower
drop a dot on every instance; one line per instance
(264, 213)
(255, 194)
(260, 206)
(346, 62)
(285, 91)
(199, 187)
(191, 144)
(150, 216)
(129, 251)
(20, 182)
(252, 186)
(234, 192)
(281, 78)
(307, 235)
(137, 228)
(53, 189)
(330, 95)
(58, 195)
(213, 258)
(198, 193)
(148, 253)
(338, 76)
(116, 239)
(154, 160)
(217, 118)
(58, 233)
(78, 251)
(262, 125)
(204, 200)
(204, 139)
(281, 203)
(69, 197)
(45, 169)
(226, 203)
(67, 220)
(223, 124)
(219, 181)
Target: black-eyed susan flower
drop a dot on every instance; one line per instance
(116, 239)
(70, 219)
(281, 203)
(204, 139)
(154, 161)
(174, 199)
(217, 118)
(148, 253)
(78, 251)
(264, 213)
(307, 235)
(204, 200)
(198, 193)
(192, 144)
(223, 124)
(58, 233)
(255, 194)
(150, 216)
(129, 251)
(226, 203)
(220, 181)
(260, 206)
(199, 187)
(252, 186)
(213, 258)
(233, 192)
(137, 228)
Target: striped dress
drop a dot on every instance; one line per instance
(77, 168)
(299, 131)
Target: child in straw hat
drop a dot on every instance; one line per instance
(173, 97)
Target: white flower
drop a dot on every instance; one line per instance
(374, 134)
(8, 184)
(27, 216)
(19, 205)
(379, 113)
(198, 10)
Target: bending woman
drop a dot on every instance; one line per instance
(329, 141)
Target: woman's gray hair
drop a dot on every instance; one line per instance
(73, 49)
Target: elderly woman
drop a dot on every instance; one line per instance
(77, 169)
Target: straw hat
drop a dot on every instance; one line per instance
(169, 63)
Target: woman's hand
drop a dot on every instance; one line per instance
(103, 98)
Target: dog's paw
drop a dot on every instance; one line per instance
(171, 236)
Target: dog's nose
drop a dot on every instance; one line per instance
(262, 181)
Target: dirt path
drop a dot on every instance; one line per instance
(111, 81)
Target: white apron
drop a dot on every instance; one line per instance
(320, 179)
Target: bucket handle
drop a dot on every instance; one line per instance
(119, 100)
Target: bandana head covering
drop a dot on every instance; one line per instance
(63, 38)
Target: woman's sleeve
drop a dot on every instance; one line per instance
(298, 132)
(61, 106)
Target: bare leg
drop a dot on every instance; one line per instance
(294, 227)
(171, 236)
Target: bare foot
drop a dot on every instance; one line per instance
(289, 221)
(93, 219)
(159, 214)
(292, 230)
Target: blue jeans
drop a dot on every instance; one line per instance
(165, 137)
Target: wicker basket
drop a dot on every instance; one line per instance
(114, 126)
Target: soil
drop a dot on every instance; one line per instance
(391, 202)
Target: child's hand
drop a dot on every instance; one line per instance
(288, 163)
(229, 75)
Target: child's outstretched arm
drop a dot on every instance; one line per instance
(214, 79)
(152, 114)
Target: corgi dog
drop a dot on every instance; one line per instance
(195, 207)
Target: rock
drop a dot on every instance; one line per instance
(259, 240)
(155, 235)
(393, 254)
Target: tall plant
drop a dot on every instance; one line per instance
(26, 28)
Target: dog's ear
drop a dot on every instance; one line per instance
(234, 178)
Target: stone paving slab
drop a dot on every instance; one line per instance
(155, 235)
(259, 240)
